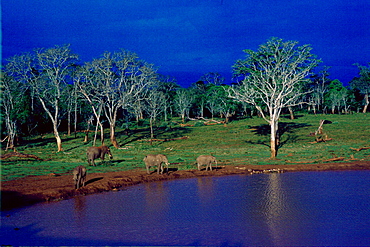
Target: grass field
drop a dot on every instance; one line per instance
(244, 141)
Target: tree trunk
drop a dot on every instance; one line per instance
(366, 103)
(274, 138)
(69, 124)
(10, 144)
(59, 140)
(101, 133)
(291, 113)
(11, 129)
(151, 130)
(55, 122)
(202, 109)
(86, 139)
(87, 130)
(113, 139)
(165, 111)
(75, 119)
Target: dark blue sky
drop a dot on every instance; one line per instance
(187, 39)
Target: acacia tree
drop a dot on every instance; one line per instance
(202, 87)
(217, 101)
(11, 101)
(273, 77)
(168, 86)
(71, 99)
(214, 78)
(114, 81)
(212, 99)
(362, 83)
(319, 87)
(183, 101)
(226, 106)
(54, 65)
(84, 79)
(46, 72)
(336, 96)
(155, 102)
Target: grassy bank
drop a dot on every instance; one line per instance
(243, 141)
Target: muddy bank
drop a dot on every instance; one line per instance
(35, 189)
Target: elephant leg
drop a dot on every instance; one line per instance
(91, 162)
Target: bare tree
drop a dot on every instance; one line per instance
(54, 64)
(85, 81)
(319, 88)
(113, 82)
(45, 71)
(183, 101)
(168, 86)
(273, 77)
(226, 106)
(362, 83)
(71, 101)
(155, 102)
(217, 101)
(212, 100)
(12, 93)
(213, 78)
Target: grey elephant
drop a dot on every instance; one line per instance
(206, 160)
(97, 152)
(157, 160)
(79, 176)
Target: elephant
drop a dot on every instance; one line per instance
(97, 152)
(79, 176)
(156, 160)
(206, 160)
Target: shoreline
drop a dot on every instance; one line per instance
(53, 187)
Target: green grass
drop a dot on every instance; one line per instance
(243, 141)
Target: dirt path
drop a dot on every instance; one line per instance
(34, 189)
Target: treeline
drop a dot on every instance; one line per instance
(52, 90)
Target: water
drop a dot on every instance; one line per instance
(302, 208)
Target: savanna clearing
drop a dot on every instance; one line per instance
(241, 147)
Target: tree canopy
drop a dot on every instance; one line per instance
(273, 77)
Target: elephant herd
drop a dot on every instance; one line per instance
(151, 160)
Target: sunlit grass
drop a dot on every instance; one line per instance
(240, 142)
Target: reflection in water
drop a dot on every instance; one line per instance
(156, 197)
(308, 208)
(275, 205)
(79, 204)
(205, 188)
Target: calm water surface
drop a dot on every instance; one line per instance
(301, 208)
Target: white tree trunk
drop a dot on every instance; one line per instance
(54, 120)
(274, 138)
(57, 137)
(366, 103)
